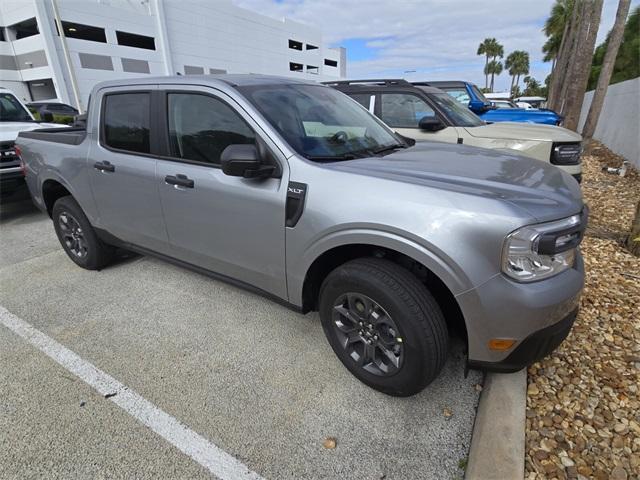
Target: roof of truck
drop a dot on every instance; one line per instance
(378, 84)
(443, 83)
(234, 80)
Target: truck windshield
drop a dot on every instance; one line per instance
(11, 110)
(459, 114)
(479, 95)
(321, 123)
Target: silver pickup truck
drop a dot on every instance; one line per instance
(295, 191)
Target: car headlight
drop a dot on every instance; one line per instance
(540, 251)
(566, 153)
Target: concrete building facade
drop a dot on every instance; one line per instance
(119, 39)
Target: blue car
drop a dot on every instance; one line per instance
(470, 94)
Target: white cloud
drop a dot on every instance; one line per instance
(436, 38)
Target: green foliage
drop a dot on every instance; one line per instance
(533, 88)
(554, 27)
(493, 67)
(627, 64)
(517, 63)
(490, 48)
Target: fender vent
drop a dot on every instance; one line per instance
(296, 193)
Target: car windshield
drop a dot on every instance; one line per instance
(11, 110)
(479, 95)
(321, 123)
(459, 114)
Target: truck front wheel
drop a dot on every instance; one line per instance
(384, 325)
(78, 237)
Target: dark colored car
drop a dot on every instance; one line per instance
(52, 108)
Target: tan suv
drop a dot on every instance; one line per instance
(422, 112)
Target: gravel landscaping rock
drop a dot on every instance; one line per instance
(583, 401)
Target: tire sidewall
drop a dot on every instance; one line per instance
(70, 206)
(417, 349)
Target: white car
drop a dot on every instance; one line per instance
(427, 113)
(525, 105)
(504, 104)
(15, 117)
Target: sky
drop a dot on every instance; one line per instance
(427, 39)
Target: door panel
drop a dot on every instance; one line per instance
(124, 183)
(230, 225)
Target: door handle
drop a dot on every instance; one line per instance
(104, 166)
(179, 180)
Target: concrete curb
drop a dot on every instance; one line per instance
(497, 444)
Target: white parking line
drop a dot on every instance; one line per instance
(217, 461)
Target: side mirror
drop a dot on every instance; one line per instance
(47, 117)
(243, 161)
(80, 120)
(431, 124)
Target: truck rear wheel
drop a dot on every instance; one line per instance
(77, 236)
(384, 325)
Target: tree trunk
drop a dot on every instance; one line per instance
(577, 29)
(513, 79)
(582, 65)
(633, 242)
(486, 74)
(492, 77)
(563, 59)
(615, 39)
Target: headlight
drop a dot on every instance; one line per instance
(540, 251)
(566, 154)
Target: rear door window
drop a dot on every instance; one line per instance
(363, 99)
(127, 121)
(404, 110)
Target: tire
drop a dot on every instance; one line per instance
(395, 297)
(77, 236)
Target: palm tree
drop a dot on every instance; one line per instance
(560, 15)
(614, 41)
(533, 86)
(493, 68)
(490, 48)
(517, 63)
(551, 49)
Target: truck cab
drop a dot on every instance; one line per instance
(469, 94)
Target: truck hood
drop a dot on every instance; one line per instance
(524, 131)
(9, 130)
(543, 191)
(521, 115)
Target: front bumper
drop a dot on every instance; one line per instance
(525, 312)
(533, 348)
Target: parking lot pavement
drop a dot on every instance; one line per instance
(252, 377)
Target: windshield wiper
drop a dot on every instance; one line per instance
(388, 148)
(331, 158)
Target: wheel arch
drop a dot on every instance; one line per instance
(443, 289)
(52, 189)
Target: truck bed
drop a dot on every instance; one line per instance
(69, 136)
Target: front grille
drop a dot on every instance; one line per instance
(566, 153)
(8, 155)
